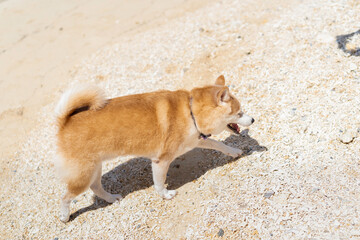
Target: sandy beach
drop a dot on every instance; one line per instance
(299, 178)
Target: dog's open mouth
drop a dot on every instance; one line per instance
(234, 127)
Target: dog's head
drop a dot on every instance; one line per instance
(216, 109)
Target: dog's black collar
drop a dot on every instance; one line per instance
(202, 135)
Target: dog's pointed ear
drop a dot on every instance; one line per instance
(223, 95)
(220, 80)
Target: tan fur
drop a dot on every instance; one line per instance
(155, 125)
(220, 80)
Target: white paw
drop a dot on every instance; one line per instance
(113, 198)
(167, 194)
(234, 152)
(64, 216)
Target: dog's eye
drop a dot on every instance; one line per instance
(240, 114)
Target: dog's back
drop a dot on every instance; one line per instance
(141, 124)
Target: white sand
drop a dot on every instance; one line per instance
(283, 63)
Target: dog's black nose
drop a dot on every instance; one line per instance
(252, 120)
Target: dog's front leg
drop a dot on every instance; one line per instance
(160, 169)
(219, 146)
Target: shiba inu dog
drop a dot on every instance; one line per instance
(159, 125)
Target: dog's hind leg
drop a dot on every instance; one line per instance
(160, 169)
(77, 182)
(98, 189)
(65, 206)
(73, 190)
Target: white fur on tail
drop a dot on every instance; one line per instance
(77, 97)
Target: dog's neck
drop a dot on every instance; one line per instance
(201, 135)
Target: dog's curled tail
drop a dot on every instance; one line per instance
(84, 96)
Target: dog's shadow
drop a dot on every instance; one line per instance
(136, 174)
